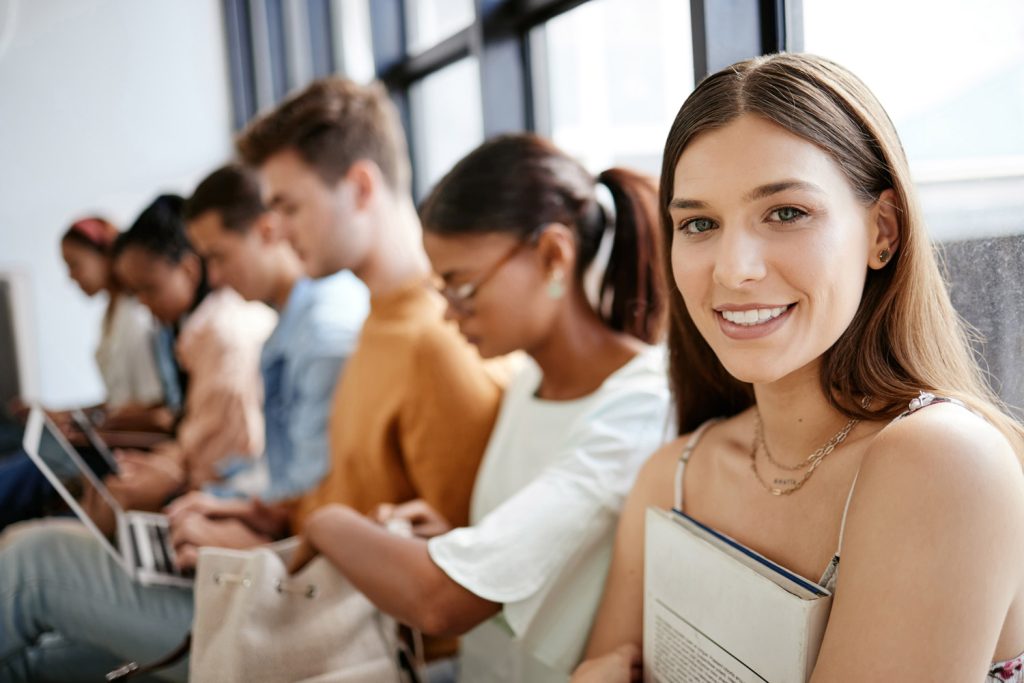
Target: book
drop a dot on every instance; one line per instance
(717, 611)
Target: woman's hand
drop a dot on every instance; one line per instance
(425, 521)
(621, 665)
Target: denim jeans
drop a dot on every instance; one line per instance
(69, 612)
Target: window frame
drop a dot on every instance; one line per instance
(512, 88)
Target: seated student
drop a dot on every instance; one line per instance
(125, 358)
(125, 355)
(414, 409)
(516, 230)
(410, 417)
(244, 248)
(218, 340)
(810, 308)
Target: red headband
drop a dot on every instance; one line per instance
(96, 231)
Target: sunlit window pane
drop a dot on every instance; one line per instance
(431, 21)
(617, 72)
(447, 120)
(352, 39)
(951, 76)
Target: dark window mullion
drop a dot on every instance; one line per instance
(240, 61)
(504, 74)
(276, 41)
(727, 32)
(387, 28)
(413, 68)
(321, 41)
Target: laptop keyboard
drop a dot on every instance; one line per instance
(162, 552)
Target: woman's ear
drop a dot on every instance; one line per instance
(885, 230)
(556, 248)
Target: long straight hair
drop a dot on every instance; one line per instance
(516, 183)
(906, 336)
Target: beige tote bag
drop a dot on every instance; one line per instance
(254, 623)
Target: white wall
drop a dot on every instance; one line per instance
(103, 104)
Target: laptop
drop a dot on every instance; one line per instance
(141, 544)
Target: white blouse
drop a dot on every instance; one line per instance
(126, 356)
(543, 516)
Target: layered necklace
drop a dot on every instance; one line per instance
(784, 487)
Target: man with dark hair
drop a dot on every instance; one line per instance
(334, 166)
(319, 321)
(412, 415)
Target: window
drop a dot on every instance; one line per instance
(614, 74)
(447, 120)
(431, 21)
(952, 79)
(351, 28)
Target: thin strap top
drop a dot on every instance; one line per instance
(1011, 670)
(923, 400)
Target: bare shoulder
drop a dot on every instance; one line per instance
(942, 472)
(946, 445)
(654, 483)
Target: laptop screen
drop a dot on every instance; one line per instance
(98, 456)
(72, 478)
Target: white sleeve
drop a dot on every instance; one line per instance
(522, 548)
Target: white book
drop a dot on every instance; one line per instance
(717, 612)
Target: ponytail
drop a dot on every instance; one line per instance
(515, 183)
(631, 295)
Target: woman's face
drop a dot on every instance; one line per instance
(87, 267)
(770, 247)
(167, 289)
(510, 309)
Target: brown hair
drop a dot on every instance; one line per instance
(233, 191)
(905, 337)
(517, 183)
(331, 124)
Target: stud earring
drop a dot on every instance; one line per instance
(884, 256)
(556, 285)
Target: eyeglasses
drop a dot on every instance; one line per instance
(459, 297)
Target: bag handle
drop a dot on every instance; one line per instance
(133, 669)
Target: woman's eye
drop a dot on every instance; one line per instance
(786, 214)
(696, 226)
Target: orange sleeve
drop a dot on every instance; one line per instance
(446, 420)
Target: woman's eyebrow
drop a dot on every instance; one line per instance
(760, 192)
(769, 189)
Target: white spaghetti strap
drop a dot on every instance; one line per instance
(923, 400)
(684, 458)
(846, 509)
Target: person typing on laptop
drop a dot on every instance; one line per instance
(409, 419)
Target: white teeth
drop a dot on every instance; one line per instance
(753, 316)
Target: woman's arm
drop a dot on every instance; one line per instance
(619, 619)
(932, 554)
(395, 573)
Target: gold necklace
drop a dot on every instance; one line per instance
(810, 463)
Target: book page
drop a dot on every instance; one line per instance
(682, 654)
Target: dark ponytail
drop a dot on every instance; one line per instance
(517, 183)
(635, 273)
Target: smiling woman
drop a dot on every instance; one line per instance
(765, 254)
(809, 316)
